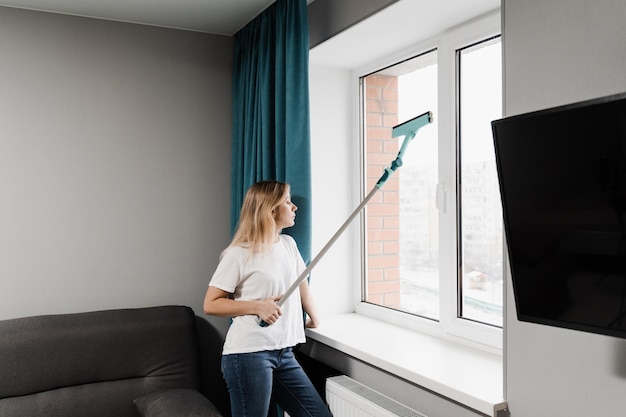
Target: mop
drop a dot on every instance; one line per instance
(407, 129)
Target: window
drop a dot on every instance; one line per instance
(479, 209)
(432, 236)
(402, 221)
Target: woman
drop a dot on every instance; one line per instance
(254, 271)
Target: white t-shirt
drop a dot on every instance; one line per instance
(258, 277)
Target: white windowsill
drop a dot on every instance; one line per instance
(466, 375)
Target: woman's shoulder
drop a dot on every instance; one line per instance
(287, 239)
(289, 243)
(235, 251)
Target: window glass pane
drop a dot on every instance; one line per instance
(402, 221)
(480, 218)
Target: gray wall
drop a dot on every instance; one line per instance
(115, 159)
(114, 163)
(558, 52)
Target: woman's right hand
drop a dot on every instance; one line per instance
(268, 310)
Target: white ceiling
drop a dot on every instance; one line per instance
(223, 17)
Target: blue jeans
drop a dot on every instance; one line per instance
(253, 378)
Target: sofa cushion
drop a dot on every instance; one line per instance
(175, 402)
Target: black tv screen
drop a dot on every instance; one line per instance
(562, 175)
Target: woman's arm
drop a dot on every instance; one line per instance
(308, 303)
(220, 303)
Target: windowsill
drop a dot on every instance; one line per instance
(466, 375)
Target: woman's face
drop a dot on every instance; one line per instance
(285, 213)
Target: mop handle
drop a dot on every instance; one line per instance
(326, 247)
(322, 252)
(408, 130)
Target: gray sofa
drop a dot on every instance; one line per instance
(115, 363)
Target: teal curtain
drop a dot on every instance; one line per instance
(271, 127)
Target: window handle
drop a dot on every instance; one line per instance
(441, 197)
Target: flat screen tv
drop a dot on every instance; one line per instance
(562, 176)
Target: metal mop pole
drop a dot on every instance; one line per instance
(407, 129)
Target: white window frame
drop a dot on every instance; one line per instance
(449, 325)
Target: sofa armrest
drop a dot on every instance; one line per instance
(175, 402)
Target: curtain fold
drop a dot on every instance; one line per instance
(271, 125)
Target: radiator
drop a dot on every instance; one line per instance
(348, 398)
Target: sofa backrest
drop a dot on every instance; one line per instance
(94, 364)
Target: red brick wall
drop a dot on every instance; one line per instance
(381, 113)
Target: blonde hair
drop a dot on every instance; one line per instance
(256, 228)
